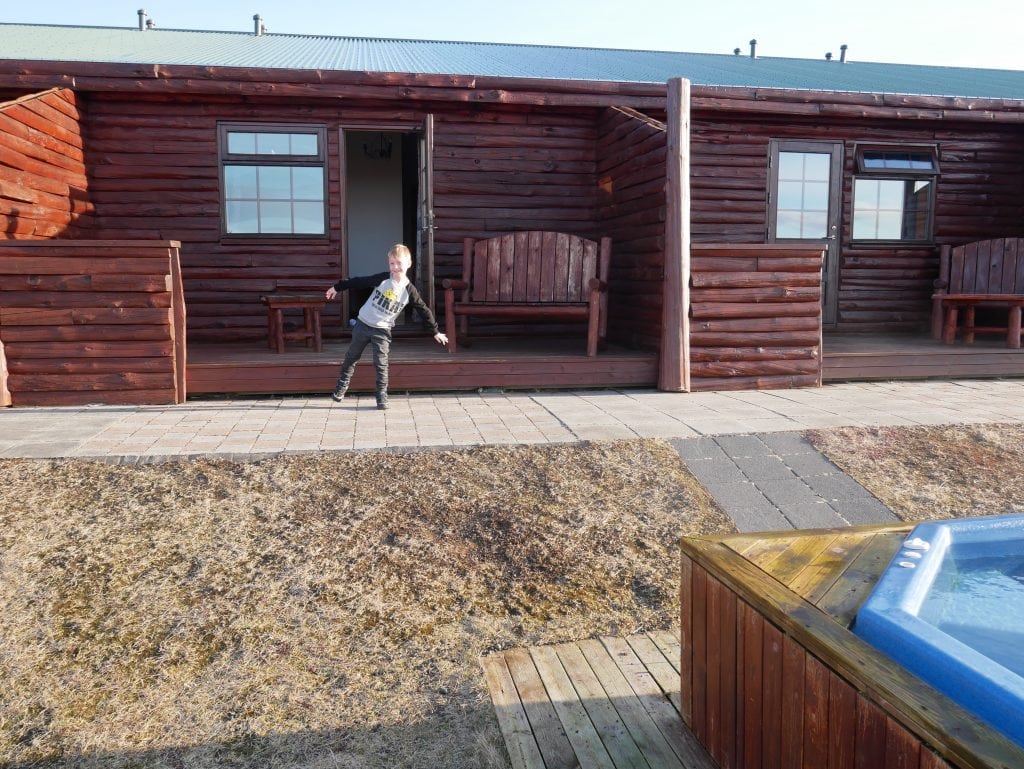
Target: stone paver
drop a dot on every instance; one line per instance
(743, 446)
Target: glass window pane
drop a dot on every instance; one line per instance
(865, 193)
(272, 144)
(791, 195)
(241, 216)
(304, 144)
(239, 182)
(275, 217)
(309, 218)
(791, 165)
(816, 196)
(816, 166)
(241, 143)
(787, 224)
(890, 225)
(275, 182)
(890, 194)
(307, 183)
(815, 225)
(865, 225)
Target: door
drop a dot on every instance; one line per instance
(804, 204)
(386, 197)
(425, 235)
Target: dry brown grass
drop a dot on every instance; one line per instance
(316, 611)
(931, 473)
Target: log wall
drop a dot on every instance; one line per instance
(43, 186)
(755, 316)
(979, 195)
(92, 322)
(155, 175)
(631, 181)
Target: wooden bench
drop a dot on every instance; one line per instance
(310, 333)
(536, 275)
(985, 274)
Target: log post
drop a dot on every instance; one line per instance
(674, 371)
(5, 394)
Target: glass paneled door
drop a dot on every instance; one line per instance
(803, 206)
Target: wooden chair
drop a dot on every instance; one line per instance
(985, 274)
(536, 275)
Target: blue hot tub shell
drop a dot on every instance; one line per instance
(889, 620)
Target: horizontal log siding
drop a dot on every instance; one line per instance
(155, 175)
(501, 170)
(631, 180)
(980, 194)
(755, 316)
(86, 321)
(43, 187)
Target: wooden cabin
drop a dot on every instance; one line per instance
(774, 222)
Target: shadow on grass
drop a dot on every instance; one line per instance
(464, 736)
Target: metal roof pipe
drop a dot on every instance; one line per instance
(753, 49)
(842, 53)
(257, 25)
(142, 19)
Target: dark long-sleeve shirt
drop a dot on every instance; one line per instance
(387, 300)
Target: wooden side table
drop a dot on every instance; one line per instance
(310, 304)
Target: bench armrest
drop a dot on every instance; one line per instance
(596, 284)
(454, 283)
(940, 285)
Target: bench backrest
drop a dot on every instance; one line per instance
(985, 267)
(533, 267)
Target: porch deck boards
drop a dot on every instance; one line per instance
(611, 703)
(417, 364)
(904, 356)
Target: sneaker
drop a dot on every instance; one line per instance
(338, 394)
(382, 402)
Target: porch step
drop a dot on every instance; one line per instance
(594, 704)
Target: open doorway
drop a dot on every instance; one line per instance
(385, 204)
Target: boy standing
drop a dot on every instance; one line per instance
(392, 291)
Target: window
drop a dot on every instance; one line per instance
(894, 193)
(273, 180)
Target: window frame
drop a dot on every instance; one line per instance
(862, 171)
(227, 159)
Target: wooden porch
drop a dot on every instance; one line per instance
(881, 356)
(418, 364)
(594, 704)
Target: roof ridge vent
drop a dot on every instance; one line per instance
(258, 27)
(842, 53)
(142, 19)
(753, 49)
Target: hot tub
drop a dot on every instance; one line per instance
(950, 608)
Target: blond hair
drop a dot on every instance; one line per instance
(402, 252)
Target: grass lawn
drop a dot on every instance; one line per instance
(319, 610)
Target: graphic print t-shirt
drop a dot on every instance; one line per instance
(385, 304)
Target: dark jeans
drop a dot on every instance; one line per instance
(363, 335)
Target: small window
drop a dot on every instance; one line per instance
(273, 180)
(894, 193)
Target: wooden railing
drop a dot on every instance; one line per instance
(92, 321)
(755, 316)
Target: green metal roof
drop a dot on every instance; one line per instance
(313, 52)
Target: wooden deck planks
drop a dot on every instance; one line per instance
(611, 703)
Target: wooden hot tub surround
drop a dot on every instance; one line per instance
(773, 678)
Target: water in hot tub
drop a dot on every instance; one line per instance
(978, 599)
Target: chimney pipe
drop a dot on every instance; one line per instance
(842, 53)
(753, 49)
(142, 19)
(257, 25)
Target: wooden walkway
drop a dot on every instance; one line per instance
(611, 703)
